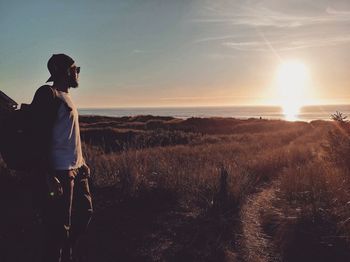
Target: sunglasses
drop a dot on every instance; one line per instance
(77, 69)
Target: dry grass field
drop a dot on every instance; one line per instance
(215, 189)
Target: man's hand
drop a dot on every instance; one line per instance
(86, 170)
(55, 186)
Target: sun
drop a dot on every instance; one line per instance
(292, 79)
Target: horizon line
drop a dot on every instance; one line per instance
(206, 106)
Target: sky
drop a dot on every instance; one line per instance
(158, 53)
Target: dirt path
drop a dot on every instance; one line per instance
(256, 245)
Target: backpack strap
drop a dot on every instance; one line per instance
(43, 114)
(46, 97)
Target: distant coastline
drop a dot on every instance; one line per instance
(307, 113)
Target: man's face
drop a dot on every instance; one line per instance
(73, 76)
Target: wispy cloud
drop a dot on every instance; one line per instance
(191, 98)
(285, 30)
(142, 51)
(219, 56)
(284, 45)
(333, 11)
(216, 38)
(264, 17)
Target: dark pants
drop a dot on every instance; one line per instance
(67, 216)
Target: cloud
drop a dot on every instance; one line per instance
(285, 45)
(219, 56)
(285, 29)
(333, 11)
(190, 98)
(142, 51)
(264, 17)
(215, 38)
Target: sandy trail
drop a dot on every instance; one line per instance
(256, 245)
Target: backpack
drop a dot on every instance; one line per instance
(25, 133)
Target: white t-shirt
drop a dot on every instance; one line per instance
(66, 153)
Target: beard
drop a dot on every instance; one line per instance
(73, 82)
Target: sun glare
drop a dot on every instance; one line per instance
(292, 81)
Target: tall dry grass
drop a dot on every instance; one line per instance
(149, 159)
(192, 171)
(310, 213)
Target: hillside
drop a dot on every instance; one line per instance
(201, 189)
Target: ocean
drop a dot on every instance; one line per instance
(306, 113)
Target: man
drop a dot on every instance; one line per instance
(68, 209)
